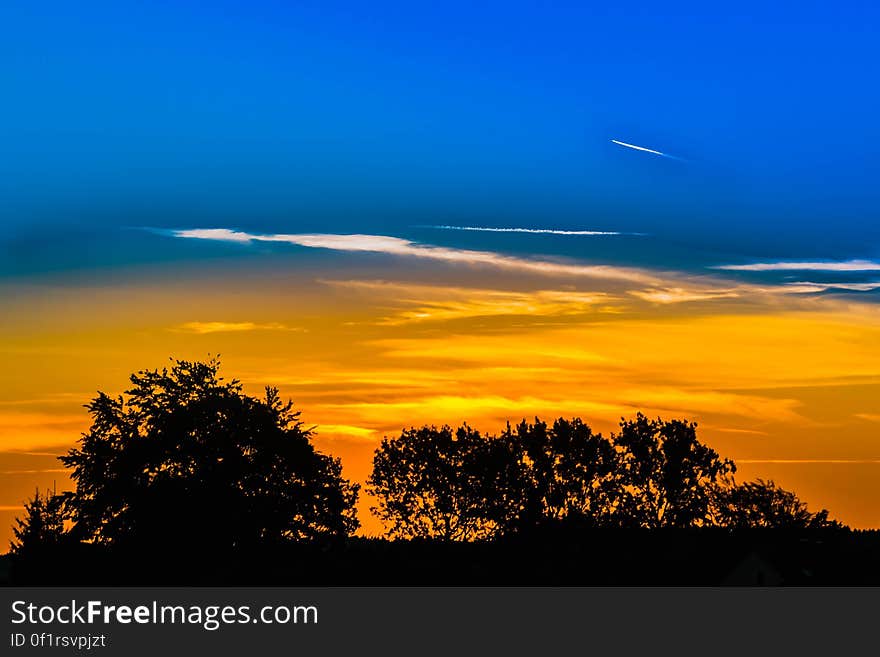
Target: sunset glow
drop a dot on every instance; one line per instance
(786, 386)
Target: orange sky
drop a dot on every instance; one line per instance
(784, 384)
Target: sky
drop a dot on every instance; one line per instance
(402, 214)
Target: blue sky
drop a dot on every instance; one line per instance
(381, 117)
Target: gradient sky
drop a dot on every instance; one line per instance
(286, 183)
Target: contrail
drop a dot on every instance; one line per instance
(532, 231)
(638, 148)
(646, 150)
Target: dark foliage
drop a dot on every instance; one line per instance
(766, 505)
(668, 476)
(461, 485)
(563, 473)
(439, 483)
(42, 527)
(190, 461)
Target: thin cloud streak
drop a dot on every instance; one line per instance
(402, 247)
(204, 328)
(846, 265)
(809, 461)
(40, 471)
(824, 287)
(534, 231)
(345, 430)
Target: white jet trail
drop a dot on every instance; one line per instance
(531, 231)
(640, 148)
(648, 150)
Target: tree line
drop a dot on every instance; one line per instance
(460, 485)
(186, 454)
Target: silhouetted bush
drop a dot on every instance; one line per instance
(42, 527)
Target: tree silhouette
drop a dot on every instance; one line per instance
(763, 504)
(461, 485)
(564, 472)
(437, 483)
(189, 458)
(668, 476)
(42, 526)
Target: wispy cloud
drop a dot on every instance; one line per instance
(345, 430)
(698, 292)
(22, 432)
(819, 265)
(685, 400)
(219, 234)
(38, 471)
(654, 287)
(746, 432)
(402, 247)
(809, 461)
(614, 404)
(444, 303)
(203, 328)
(26, 420)
(807, 286)
(533, 231)
(681, 295)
